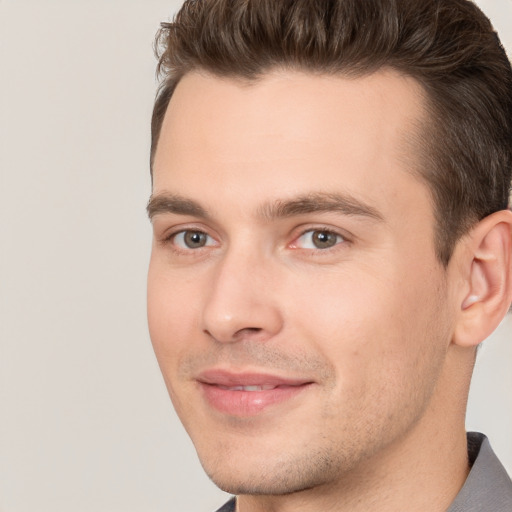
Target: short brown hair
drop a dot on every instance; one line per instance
(448, 46)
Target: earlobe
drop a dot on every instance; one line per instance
(488, 279)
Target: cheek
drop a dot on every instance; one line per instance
(172, 314)
(342, 311)
(386, 349)
(370, 324)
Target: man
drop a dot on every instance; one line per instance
(331, 244)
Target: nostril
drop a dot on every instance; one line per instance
(249, 329)
(247, 332)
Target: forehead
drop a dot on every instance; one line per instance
(291, 132)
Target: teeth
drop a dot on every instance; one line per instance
(248, 388)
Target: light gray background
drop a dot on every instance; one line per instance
(85, 421)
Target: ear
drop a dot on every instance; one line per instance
(487, 278)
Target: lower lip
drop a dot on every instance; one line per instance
(248, 403)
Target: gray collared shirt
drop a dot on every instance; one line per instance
(488, 487)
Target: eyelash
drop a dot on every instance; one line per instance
(169, 239)
(343, 239)
(340, 240)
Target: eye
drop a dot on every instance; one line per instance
(189, 239)
(318, 239)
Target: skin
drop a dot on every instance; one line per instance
(371, 321)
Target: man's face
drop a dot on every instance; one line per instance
(296, 306)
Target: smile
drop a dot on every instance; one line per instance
(248, 394)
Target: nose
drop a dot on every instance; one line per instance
(243, 301)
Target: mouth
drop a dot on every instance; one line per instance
(248, 394)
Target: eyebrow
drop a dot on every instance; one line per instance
(320, 202)
(173, 203)
(311, 203)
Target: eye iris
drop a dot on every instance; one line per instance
(324, 239)
(194, 239)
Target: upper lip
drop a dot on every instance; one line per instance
(217, 377)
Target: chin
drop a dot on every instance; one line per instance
(264, 475)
